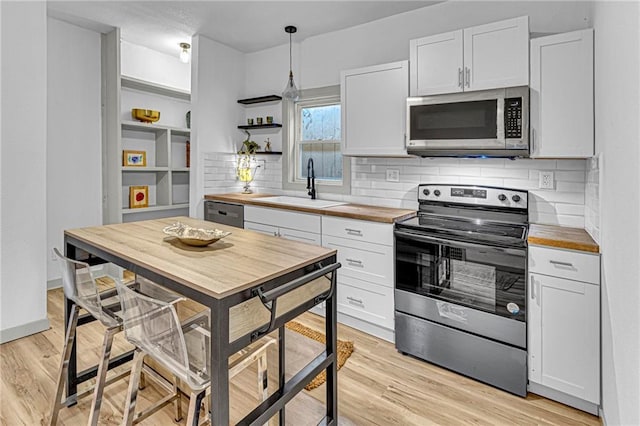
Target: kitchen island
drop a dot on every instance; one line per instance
(252, 283)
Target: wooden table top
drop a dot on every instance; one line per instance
(562, 237)
(351, 211)
(239, 261)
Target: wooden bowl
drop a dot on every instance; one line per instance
(145, 115)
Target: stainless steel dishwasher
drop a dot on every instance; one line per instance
(225, 213)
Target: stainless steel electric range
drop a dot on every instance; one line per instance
(460, 285)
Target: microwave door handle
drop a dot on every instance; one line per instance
(451, 243)
(500, 121)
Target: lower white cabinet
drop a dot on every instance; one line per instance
(365, 280)
(303, 227)
(365, 249)
(564, 326)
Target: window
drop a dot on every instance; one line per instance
(314, 132)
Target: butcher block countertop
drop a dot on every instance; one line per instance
(562, 237)
(351, 211)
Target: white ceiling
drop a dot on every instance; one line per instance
(247, 26)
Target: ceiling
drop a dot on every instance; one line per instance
(247, 26)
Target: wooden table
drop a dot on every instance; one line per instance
(238, 278)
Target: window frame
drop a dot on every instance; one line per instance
(309, 97)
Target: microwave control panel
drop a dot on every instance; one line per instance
(513, 118)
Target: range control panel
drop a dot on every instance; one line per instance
(471, 194)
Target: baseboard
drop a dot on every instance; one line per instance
(56, 283)
(23, 330)
(564, 398)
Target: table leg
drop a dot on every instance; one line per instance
(331, 330)
(219, 364)
(281, 369)
(72, 371)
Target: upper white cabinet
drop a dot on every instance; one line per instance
(562, 95)
(564, 326)
(373, 110)
(483, 57)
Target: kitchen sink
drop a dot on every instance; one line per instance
(301, 202)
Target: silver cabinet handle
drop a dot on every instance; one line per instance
(354, 261)
(354, 300)
(558, 263)
(459, 77)
(351, 231)
(468, 76)
(532, 285)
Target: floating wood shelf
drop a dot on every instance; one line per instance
(269, 153)
(260, 99)
(260, 126)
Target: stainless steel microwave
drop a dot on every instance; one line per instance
(491, 123)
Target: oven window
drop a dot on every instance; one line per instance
(484, 278)
(461, 120)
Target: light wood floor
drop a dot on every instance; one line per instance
(377, 386)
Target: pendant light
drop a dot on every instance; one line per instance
(290, 91)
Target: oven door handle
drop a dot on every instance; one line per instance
(456, 243)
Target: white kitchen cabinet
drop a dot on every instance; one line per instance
(303, 227)
(561, 96)
(564, 326)
(486, 56)
(365, 280)
(373, 110)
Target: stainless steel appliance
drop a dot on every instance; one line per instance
(225, 213)
(460, 285)
(491, 123)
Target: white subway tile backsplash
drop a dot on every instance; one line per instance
(570, 186)
(526, 163)
(460, 171)
(568, 204)
(572, 176)
(504, 173)
(472, 180)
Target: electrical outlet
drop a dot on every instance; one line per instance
(546, 180)
(393, 175)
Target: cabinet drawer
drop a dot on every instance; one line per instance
(360, 230)
(283, 218)
(259, 227)
(362, 260)
(302, 236)
(565, 264)
(365, 301)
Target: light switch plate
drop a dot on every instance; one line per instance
(393, 175)
(546, 180)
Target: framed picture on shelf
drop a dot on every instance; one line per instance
(134, 158)
(138, 197)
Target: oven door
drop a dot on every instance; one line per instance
(472, 287)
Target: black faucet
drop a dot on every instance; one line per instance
(311, 179)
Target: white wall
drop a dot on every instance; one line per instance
(150, 65)
(217, 82)
(23, 307)
(74, 166)
(617, 95)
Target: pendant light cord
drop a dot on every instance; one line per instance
(290, 67)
